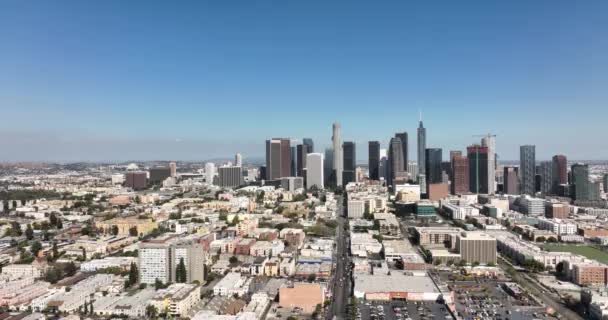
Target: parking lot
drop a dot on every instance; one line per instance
(401, 310)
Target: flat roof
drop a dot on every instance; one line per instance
(396, 282)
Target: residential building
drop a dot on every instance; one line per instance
(337, 154)
(314, 170)
(230, 176)
(527, 169)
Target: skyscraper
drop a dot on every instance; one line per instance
(580, 179)
(433, 158)
(308, 142)
(302, 151)
(328, 167)
(338, 159)
(606, 182)
(349, 165)
(454, 153)
(489, 141)
(510, 180)
(278, 158)
(404, 148)
(560, 172)
(374, 160)
(421, 147)
(314, 170)
(238, 160)
(546, 177)
(173, 167)
(460, 174)
(209, 172)
(230, 176)
(293, 167)
(527, 166)
(383, 170)
(395, 161)
(478, 168)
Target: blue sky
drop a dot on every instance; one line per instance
(191, 80)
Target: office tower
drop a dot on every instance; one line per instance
(560, 172)
(338, 156)
(527, 166)
(238, 160)
(580, 179)
(594, 191)
(374, 160)
(404, 148)
(510, 180)
(278, 158)
(605, 182)
(209, 172)
(328, 167)
(230, 176)
(302, 150)
(349, 165)
(314, 170)
(454, 153)
(135, 180)
(383, 165)
(433, 158)
(412, 169)
(158, 175)
(293, 167)
(478, 168)
(546, 177)
(159, 259)
(173, 167)
(395, 161)
(422, 183)
(460, 174)
(489, 142)
(477, 247)
(308, 142)
(421, 148)
(292, 183)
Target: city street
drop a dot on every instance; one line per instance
(342, 277)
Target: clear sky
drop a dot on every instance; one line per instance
(191, 80)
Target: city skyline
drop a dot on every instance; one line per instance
(142, 90)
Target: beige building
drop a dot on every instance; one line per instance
(476, 247)
(143, 226)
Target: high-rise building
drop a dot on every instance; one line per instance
(293, 167)
(309, 143)
(605, 182)
(374, 160)
(238, 160)
(159, 259)
(349, 165)
(489, 141)
(433, 158)
(560, 172)
(527, 166)
(302, 150)
(136, 180)
(158, 175)
(209, 172)
(546, 177)
(278, 158)
(230, 176)
(412, 169)
(580, 179)
(421, 148)
(314, 170)
(460, 174)
(478, 168)
(328, 167)
(454, 153)
(395, 161)
(173, 167)
(404, 148)
(383, 166)
(510, 180)
(338, 156)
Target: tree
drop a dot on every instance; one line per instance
(449, 263)
(462, 263)
(133, 274)
(475, 263)
(552, 240)
(181, 275)
(15, 229)
(133, 231)
(151, 312)
(35, 248)
(53, 219)
(55, 251)
(541, 239)
(436, 262)
(59, 224)
(137, 199)
(158, 284)
(91, 311)
(559, 267)
(233, 260)
(86, 308)
(29, 232)
(84, 254)
(114, 230)
(312, 278)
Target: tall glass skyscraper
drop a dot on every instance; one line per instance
(349, 165)
(337, 145)
(433, 160)
(527, 167)
(421, 148)
(374, 160)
